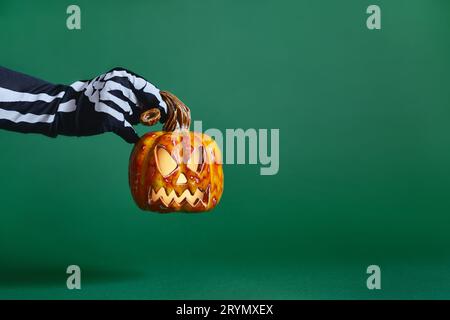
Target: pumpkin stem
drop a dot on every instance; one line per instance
(150, 117)
(178, 114)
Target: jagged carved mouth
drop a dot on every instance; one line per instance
(173, 199)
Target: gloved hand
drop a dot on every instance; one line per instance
(112, 101)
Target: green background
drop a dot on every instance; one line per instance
(364, 152)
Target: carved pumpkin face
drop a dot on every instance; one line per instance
(176, 171)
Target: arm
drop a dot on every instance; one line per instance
(110, 102)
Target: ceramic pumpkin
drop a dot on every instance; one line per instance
(176, 170)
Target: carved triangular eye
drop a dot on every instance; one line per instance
(166, 164)
(196, 160)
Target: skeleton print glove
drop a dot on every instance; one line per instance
(112, 101)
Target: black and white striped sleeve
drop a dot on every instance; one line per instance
(110, 102)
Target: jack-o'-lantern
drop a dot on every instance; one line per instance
(175, 169)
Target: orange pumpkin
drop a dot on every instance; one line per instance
(176, 171)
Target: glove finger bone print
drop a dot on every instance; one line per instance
(144, 94)
(122, 96)
(178, 114)
(112, 101)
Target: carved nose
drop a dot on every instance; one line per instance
(181, 179)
